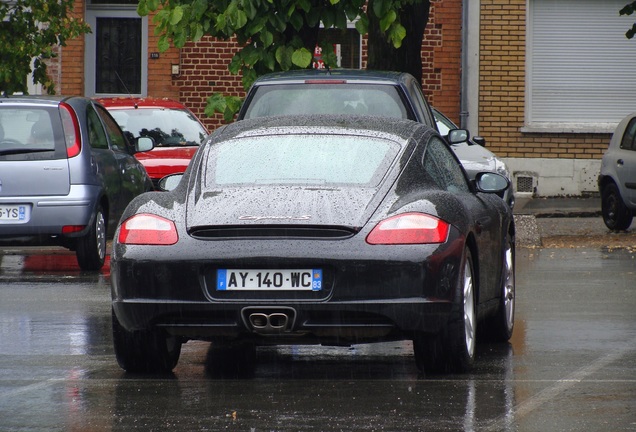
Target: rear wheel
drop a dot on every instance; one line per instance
(499, 327)
(616, 215)
(453, 349)
(91, 248)
(149, 351)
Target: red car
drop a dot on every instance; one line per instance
(176, 131)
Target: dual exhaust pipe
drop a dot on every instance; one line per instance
(266, 321)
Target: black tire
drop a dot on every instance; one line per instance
(453, 349)
(91, 248)
(430, 356)
(150, 351)
(500, 326)
(616, 215)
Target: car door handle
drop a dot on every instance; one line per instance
(620, 162)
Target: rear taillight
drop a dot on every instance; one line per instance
(148, 229)
(409, 228)
(71, 130)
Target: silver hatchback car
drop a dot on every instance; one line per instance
(617, 180)
(66, 174)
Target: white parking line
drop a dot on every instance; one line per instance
(7, 394)
(531, 404)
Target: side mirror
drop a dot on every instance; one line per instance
(456, 136)
(479, 140)
(170, 182)
(144, 144)
(490, 182)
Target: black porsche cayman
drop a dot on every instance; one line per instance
(316, 230)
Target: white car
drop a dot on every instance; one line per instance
(617, 180)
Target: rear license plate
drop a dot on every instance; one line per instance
(278, 280)
(14, 213)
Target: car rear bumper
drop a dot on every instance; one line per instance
(371, 298)
(48, 214)
(291, 323)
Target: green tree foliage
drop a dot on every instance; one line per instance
(629, 9)
(275, 35)
(29, 34)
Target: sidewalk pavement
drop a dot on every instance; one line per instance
(538, 218)
(559, 206)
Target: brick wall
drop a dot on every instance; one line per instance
(204, 72)
(70, 80)
(502, 92)
(441, 57)
(161, 83)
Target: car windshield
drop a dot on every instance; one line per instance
(307, 159)
(168, 127)
(291, 99)
(29, 129)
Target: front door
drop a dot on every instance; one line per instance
(116, 50)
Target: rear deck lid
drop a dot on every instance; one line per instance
(305, 178)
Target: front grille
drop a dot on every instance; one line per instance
(272, 231)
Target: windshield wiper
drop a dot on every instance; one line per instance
(24, 150)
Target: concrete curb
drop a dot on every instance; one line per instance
(527, 231)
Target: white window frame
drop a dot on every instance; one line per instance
(580, 67)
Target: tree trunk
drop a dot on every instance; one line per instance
(407, 58)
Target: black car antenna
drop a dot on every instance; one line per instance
(125, 88)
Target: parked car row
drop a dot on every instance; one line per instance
(331, 212)
(67, 172)
(317, 229)
(363, 92)
(70, 165)
(344, 220)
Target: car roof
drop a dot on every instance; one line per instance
(36, 99)
(386, 127)
(351, 75)
(139, 102)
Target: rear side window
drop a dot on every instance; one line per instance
(420, 104)
(31, 133)
(629, 137)
(294, 99)
(116, 136)
(96, 135)
(442, 168)
(168, 127)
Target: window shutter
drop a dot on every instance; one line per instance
(581, 67)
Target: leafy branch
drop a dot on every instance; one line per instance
(628, 10)
(274, 35)
(30, 32)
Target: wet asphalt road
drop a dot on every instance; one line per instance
(571, 365)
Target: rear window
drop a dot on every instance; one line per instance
(293, 99)
(168, 127)
(301, 160)
(31, 133)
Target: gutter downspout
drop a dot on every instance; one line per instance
(469, 85)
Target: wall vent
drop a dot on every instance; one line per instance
(525, 184)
